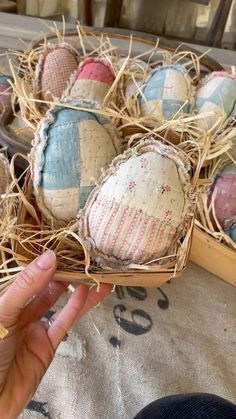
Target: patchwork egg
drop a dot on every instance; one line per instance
(216, 100)
(167, 93)
(71, 147)
(55, 66)
(224, 187)
(5, 93)
(139, 210)
(91, 82)
(230, 228)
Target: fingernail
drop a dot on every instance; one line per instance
(46, 260)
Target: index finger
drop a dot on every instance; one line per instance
(29, 283)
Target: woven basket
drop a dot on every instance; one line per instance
(153, 276)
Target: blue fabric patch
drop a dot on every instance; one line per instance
(155, 90)
(171, 107)
(231, 231)
(61, 158)
(155, 85)
(4, 79)
(61, 169)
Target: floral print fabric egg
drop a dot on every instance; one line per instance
(5, 94)
(224, 189)
(55, 66)
(167, 93)
(91, 82)
(216, 95)
(139, 211)
(71, 147)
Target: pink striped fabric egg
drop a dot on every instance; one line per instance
(55, 66)
(139, 210)
(91, 82)
(224, 187)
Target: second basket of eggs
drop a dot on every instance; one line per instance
(118, 150)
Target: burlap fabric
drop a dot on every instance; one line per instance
(142, 344)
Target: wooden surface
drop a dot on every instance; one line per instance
(216, 31)
(213, 256)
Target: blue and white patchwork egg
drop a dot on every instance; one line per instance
(168, 93)
(70, 149)
(216, 100)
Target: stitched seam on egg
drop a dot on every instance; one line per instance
(92, 60)
(37, 160)
(213, 75)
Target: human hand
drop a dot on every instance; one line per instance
(28, 349)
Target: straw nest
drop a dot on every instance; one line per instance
(23, 232)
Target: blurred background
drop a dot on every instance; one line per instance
(206, 22)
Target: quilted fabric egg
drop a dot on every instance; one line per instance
(216, 95)
(91, 82)
(224, 186)
(5, 93)
(230, 228)
(167, 92)
(139, 210)
(55, 66)
(71, 147)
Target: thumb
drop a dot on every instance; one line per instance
(29, 283)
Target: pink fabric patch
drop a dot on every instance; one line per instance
(57, 66)
(225, 201)
(95, 69)
(223, 74)
(111, 226)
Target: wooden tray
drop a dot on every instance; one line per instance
(213, 256)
